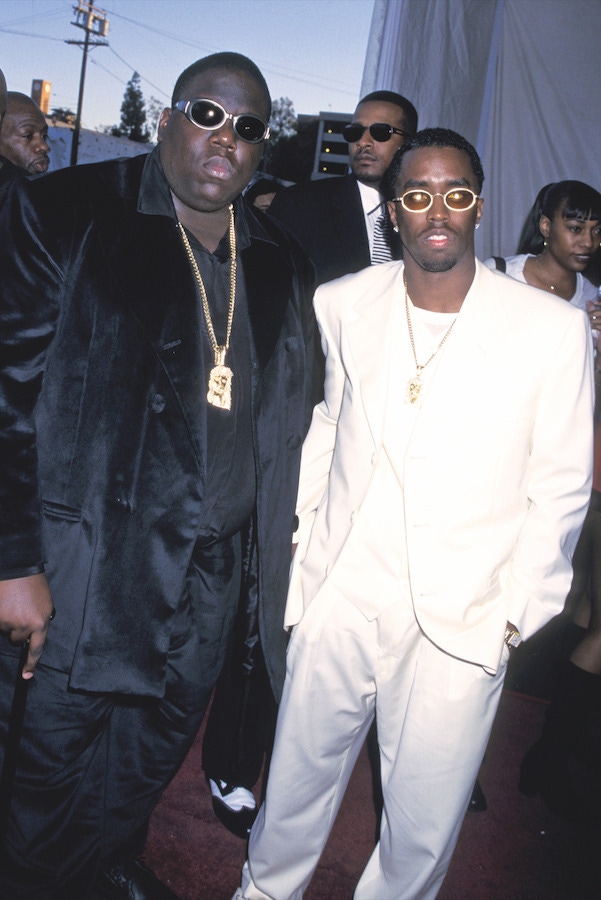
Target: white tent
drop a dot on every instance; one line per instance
(518, 78)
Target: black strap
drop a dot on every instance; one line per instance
(500, 263)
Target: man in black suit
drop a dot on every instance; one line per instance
(334, 218)
(156, 382)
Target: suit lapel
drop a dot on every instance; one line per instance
(369, 337)
(150, 271)
(267, 277)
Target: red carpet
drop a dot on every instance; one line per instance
(516, 850)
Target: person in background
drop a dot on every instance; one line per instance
(24, 135)
(156, 383)
(23, 146)
(342, 222)
(561, 238)
(444, 482)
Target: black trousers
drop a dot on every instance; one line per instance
(241, 724)
(92, 767)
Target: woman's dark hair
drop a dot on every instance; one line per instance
(575, 199)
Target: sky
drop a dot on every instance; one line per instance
(311, 51)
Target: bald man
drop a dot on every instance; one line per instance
(24, 135)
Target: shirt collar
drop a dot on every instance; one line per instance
(154, 198)
(371, 199)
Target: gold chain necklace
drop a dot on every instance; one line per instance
(415, 384)
(220, 377)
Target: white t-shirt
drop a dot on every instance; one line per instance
(585, 289)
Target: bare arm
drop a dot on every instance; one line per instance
(26, 609)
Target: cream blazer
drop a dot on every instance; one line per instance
(497, 471)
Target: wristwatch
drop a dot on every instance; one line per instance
(512, 637)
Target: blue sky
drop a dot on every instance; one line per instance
(312, 51)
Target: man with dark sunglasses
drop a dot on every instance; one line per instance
(342, 222)
(444, 481)
(156, 382)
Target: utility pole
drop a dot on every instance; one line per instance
(93, 21)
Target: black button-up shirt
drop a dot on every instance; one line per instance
(230, 472)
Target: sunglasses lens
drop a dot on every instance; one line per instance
(460, 199)
(250, 129)
(352, 133)
(416, 200)
(206, 114)
(380, 132)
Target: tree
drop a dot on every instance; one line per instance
(62, 114)
(154, 108)
(283, 122)
(133, 112)
(283, 126)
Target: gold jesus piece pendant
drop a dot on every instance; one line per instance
(220, 387)
(414, 387)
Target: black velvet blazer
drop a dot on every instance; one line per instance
(101, 434)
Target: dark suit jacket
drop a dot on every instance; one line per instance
(326, 216)
(101, 391)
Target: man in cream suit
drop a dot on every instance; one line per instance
(444, 482)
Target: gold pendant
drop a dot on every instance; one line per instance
(414, 387)
(220, 387)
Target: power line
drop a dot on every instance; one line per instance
(265, 65)
(134, 69)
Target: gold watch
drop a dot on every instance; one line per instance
(512, 636)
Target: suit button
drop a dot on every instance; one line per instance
(157, 403)
(294, 442)
(121, 502)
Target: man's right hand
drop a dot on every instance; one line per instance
(26, 609)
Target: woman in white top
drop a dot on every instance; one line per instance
(559, 240)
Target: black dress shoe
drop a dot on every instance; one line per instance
(477, 800)
(130, 881)
(235, 807)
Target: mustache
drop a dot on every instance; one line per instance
(439, 229)
(363, 154)
(425, 232)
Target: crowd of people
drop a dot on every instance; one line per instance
(199, 379)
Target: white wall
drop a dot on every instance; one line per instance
(93, 147)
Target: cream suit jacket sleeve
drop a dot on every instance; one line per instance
(496, 476)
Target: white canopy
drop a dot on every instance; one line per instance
(518, 78)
